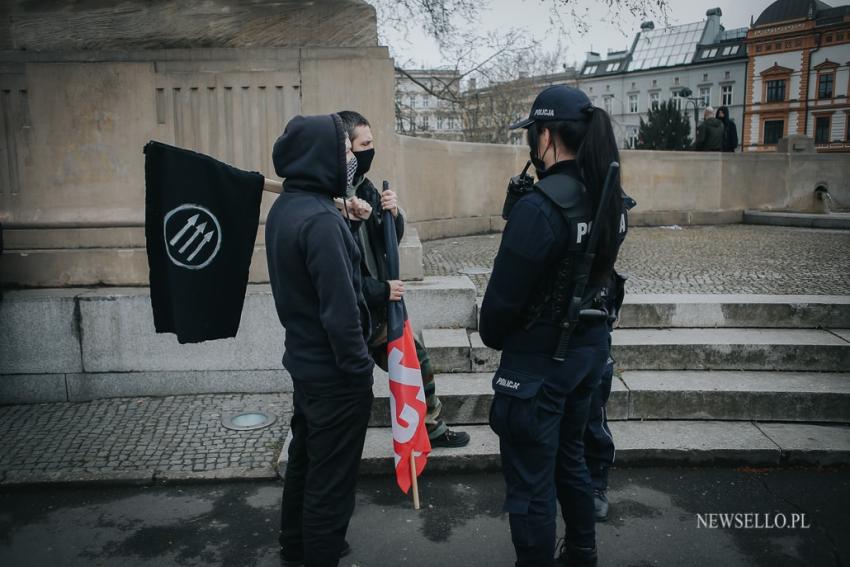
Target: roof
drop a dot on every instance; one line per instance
(729, 44)
(666, 47)
(615, 63)
(784, 10)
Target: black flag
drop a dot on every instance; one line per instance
(201, 218)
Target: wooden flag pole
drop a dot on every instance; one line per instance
(413, 482)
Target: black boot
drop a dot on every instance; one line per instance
(572, 556)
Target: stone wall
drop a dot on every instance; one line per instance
(452, 188)
(60, 25)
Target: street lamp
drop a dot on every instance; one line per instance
(686, 93)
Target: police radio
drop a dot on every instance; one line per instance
(518, 186)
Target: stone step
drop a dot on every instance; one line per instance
(807, 220)
(743, 311)
(675, 349)
(639, 443)
(656, 395)
(642, 311)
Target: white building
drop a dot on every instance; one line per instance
(423, 104)
(703, 57)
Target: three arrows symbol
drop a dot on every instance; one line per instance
(199, 231)
(189, 224)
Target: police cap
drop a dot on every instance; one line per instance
(558, 102)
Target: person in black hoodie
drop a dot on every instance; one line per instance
(314, 268)
(730, 131)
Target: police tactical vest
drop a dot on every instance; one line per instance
(569, 196)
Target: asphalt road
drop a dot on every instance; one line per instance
(654, 521)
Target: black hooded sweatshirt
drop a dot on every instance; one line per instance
(314, 263)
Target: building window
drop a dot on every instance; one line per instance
(776, 90)
(726, 75)
(705, 95)
(607, 103)
(653, 101)
(677, 101)
(726, 95)
(589, 70)
(773, 130)
(825, 85)
(612, 67)
(439, 123)
(822, 127)
(633, 103)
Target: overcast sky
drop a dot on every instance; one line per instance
(604, 34)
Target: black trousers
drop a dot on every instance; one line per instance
(328, 431)
(598, 442)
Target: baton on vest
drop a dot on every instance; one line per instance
(584, 263)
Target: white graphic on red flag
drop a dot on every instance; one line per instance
(407, 407)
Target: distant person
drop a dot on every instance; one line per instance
(710, 134)
(730, 131)
(314, 268)
(378, 290)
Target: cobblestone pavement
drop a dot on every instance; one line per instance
(145, 439)
(704, 259)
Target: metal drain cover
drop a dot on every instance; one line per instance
(247, 420)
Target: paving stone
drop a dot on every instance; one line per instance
(696, 259)
(127, 439)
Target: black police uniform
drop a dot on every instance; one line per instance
(541, 406)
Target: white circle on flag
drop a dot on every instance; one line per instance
(192, 236)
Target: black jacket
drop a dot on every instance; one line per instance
(314, 263)
(730, 132)
(534, 239)
(710, 136)
(376, 290)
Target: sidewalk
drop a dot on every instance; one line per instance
(697, 259)
(139, 440)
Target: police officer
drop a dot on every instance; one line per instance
(541, 402)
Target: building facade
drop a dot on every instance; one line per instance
(661, 64)
(798, 79)
(489, 110)
(425, 103)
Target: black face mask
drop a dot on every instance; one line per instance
(364, 161)
(533, 142)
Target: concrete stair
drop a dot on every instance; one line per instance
(701, 380)
(662, 395)
(451, 350)
(646, 443)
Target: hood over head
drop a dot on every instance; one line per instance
(725, 114)
(310, 155)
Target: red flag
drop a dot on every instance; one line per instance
(407, 407)
(407, 394)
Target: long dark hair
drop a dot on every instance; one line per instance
(595, 147)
